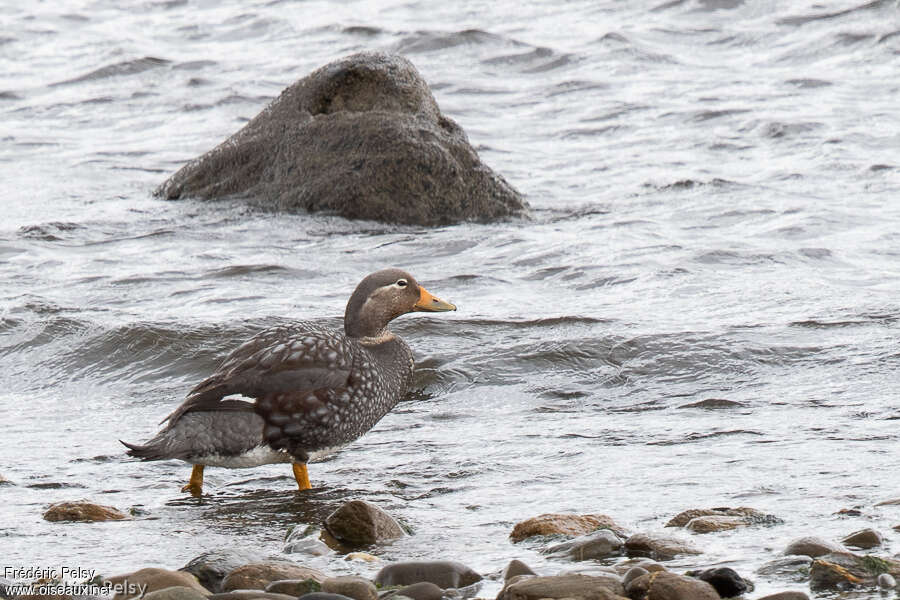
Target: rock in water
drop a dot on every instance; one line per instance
(257, 576)
(443, 573)
(83, 511)
(361, 137)
(564, 524)
(210, 568)
(154, 579)
(360, 523)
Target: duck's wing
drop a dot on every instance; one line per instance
(286, 361)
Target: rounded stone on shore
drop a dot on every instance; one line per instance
(83, 511)
(632, 574)
(357, 588)
(177, 592)
(445, 574)
(864, 539)
(424, 590)
(713, 523)
(564, 524)
(360, 523)
(664, 585)
(324, 596)
(886, 581)
(155, 579)
(786, 596)
(250, 595)
(257, 576)
(573, 585)
(750, 515)
(725, 580)
(294, 587)
(211, 567)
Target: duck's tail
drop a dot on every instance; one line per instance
(149, 451)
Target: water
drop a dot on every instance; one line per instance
(713, 187)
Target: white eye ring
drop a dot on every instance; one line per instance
(401, 283)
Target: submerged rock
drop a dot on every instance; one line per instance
(443, 573)
(793, 567)
(257, 576)
(657, 547)
(750, 516)
(83, 511)
(664, 585)
(359, 523)
(843, 570)
(582, 587)
(361, 137)
(564, 524)
(210, 568)
(864, 539)
(155, 579)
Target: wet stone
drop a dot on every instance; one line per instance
(155, 579)
(713, 523)
(751, 516)
(786, 596)
(812, 546)
(794, 567)
(359, 523)
(443, 573)
(564, 524)
(886, 581)
(632, 574)
(516, 567)
(250, 595)
(597, 545)
(864, 539)
(257, 576)
(210, 568)
(658, 547)
(664, 585)
(725, 580)
(83, 511)
(305, 540)
(175, 593)
(424, 590)
(324, 596)
(357, 588)
(582, 587)
(294, 587)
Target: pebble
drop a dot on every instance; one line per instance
(864, 539)
(83, 511)
(564, 586)
(516, 567)
(155, 579)
(886, 581)
(725, 580)
(257, 576)
(424, 590)
(357, 588)
(362, 556)
(443, 573)
(594, 546)
(210, 568)
(812, 546)
(360, 523)
(294, 587)
(564, 524)
(664, 585)
(657, 547)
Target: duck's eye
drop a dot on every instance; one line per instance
(401, 283)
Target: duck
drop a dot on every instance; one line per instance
(298, 392)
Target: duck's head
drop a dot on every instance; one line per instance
(382, 297)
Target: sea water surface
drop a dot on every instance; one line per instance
(714, 189)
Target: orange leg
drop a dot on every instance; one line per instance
(302, 476)
(195, 485)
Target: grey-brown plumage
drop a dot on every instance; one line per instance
(294, 392)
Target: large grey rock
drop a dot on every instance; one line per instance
(361, 137)
(443, 573)
(210, 568)
(360, 523)
(573, 585)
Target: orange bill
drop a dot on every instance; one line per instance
(428, 303)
